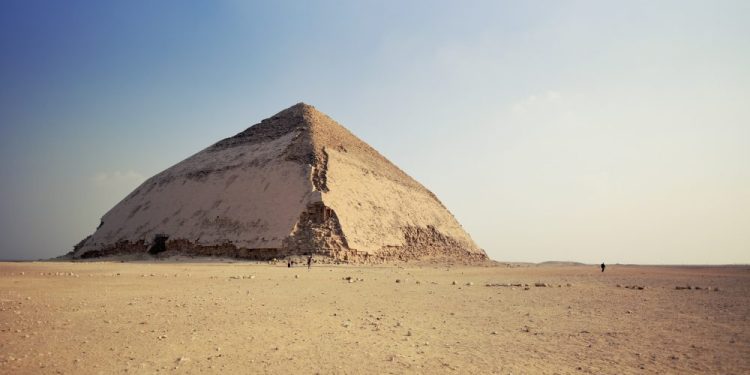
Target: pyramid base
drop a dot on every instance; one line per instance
(438, 253)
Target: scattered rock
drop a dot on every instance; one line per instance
(353, 279)
(688, 287)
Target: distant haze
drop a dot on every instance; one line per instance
(572, 130)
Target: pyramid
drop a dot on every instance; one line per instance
(297, 183)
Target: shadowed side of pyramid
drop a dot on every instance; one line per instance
(297, 183)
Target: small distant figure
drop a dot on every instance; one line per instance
(289, 264)
(603, 266)
(309, 262)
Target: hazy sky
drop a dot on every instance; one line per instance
(553, 130)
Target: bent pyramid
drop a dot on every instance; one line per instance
(296, 183)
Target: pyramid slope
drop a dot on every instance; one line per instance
(296, 183)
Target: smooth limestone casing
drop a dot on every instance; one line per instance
(373, 210)
(251, 198)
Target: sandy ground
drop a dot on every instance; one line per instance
(89, 318)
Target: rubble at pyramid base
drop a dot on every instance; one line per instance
(423, 245)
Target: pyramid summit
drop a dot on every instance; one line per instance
(296, 183)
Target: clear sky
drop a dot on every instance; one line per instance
(553, 130)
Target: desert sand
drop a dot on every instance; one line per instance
(221, 317)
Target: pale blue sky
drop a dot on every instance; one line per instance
(554, 130)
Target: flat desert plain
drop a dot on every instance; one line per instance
(234, 318)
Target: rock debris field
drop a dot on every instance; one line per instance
(224, 317)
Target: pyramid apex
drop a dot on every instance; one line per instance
(299, 108)
(304, 105)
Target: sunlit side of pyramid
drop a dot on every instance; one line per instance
(297, 183)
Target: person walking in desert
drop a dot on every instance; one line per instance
(603, 266)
